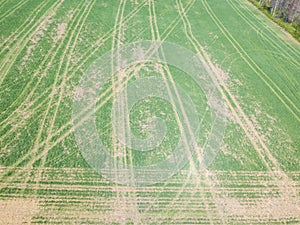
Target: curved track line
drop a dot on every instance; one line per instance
(177, 96)
(283, 51)
(27, 101)
(75, 32)
(9, 119)
(166, 33)
(169, 77)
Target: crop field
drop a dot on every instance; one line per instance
(147, 112)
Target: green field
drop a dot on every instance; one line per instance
(47, 47)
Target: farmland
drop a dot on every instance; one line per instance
(48, 173)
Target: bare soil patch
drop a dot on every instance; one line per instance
(17, 211)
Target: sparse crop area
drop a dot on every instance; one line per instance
(47, 47)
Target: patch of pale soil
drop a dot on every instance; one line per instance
(61, 28)
(28, 52)
(224, 76)
(37, 37)
(41, 29)
(17, 211)
(53, 92)
(274, 208)
(239, 157)
(70, 14)
(60, 31)
(23, 114)
(273, 132)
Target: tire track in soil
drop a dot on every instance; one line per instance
(91, 51)
(156, 36)
(98, 44)
(154, 33)
(236, 102)
(118, 206)
(259, 180)
(28, 86)
(127, 131)
(15, 127)
(68, 54)
(165, 34)
(57, 200)
(208, 180)
(170, 28)
(169, 77)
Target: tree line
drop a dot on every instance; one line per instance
(285, 12)
(288, 10)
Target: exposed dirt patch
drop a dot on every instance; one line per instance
(17, 211)
(60, 31)
(276, 208)
(224, 76)
(40, 32)
(28, 52)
